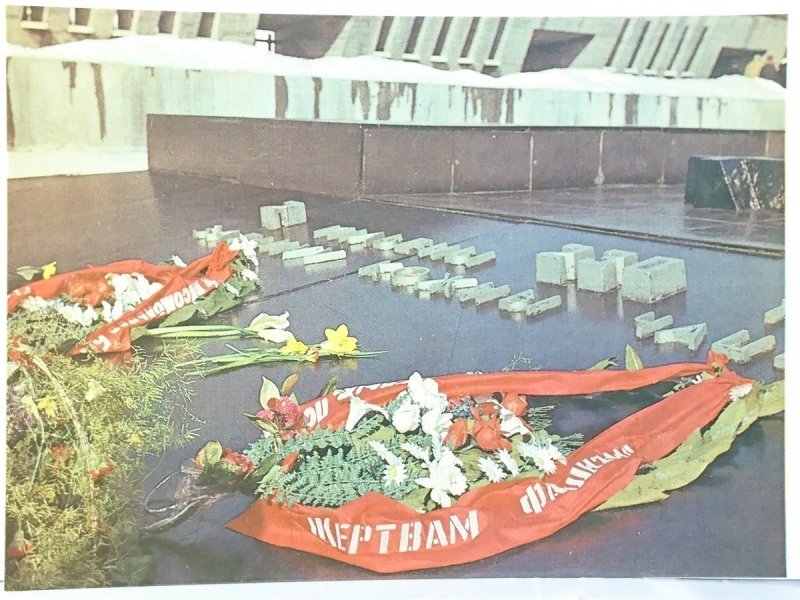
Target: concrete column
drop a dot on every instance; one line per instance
(628, 43)
(669, 45)
(482, 44)
(513, 47)
(426, 41)
(696, 25)
(648, 46)
(605, 31)
(357, 37)
(451, 51)
(145, 22)
(101, 22)
(186, 24)
(235, 27)
(716, 36)
(397, 38)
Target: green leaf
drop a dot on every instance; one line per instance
(210, 454)
(268, 391)
(289, 383)
(604, 364)
(772, 399)
(416, 500)
(28, 273)
(329, 387)
(179, 316)
(632, 360)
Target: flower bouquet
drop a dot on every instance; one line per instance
(96, 308)
(442, 471)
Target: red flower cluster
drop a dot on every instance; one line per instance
(285, 414)
(105, 467)
(457, 434)
(17, 352)
(486, 431)
(239, 460)
(88, 287)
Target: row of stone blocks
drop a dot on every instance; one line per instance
(646, 281)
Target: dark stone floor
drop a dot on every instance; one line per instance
(729, 523)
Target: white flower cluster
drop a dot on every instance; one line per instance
(542, 453)
(130, 290)
(249, 249)
(423, 405)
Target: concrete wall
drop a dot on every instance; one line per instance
(349, 159)
(55, 104)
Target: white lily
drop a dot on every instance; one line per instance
(247, 248)
(425, 392)
(274, 336)
(406, 417)
(436, 423)
(491, 469)
(511, 424)
(444, 477)
(359, 409)
(266, 321)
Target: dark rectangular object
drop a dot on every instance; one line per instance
(314, 157)
(565, 158)
(633, 156)
(735, 183)
(407, 160)
(491, 160)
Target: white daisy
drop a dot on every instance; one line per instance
(491, 469)
(504, 456)
(394, 473)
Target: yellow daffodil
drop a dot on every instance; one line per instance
(48, 270)
(47, 406)
(338, 342)
(293, 346)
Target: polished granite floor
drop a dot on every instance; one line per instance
(729, 523)
(640, 211)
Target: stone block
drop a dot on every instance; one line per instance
(440, 253)
(459, 283)
(544, 305)
(390, 267)
(301, 252)
(372, 271)
(653, 279)
(739, 338)
(779, 362)
(279, 247)
(467, 294)
(322, 257)
(691, 336)
(517, 302)
(412, 246)
(344, 234)
(436, 286)
(426, 252)
(647, 324)
(295, 213)
(273, 217)
(551, 267)
(596, 275)
(574, 253)
(364, 238)
(459, 257)
(322, 234)
(621, 259)
(387, 243)
(480, 259)
(202, 234)
(743, 352)
(775, 315)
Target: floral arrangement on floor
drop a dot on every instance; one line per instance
(423, 449)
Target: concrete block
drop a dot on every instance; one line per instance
(295, 213)
(441, 252)
(653, 279)
(779, 362)
(279, 247)
(574, 253)
(744, 353)
(223, 236)
(301, 252)
(596, 275)
(202, 234)
(621, 259)
(551, 267)
(344, 234)
(517, 302)
(364, 238)
(775, 315)
(388, 242)
(258, 238)
(459, 284)
(273, 217)
(324, 257)
(480, 259)
(409, 276)
(544, 305)
(459, 257)
(412, 246)
(265, 241)
(390, 267)
(691, 336)
(372, 271)
(322, 234)
(436, 286)
(426, 252)
(647, 324)
(490, 295)
(467, 294)
(735, 339)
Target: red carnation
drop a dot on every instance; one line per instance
(457, 434)
(516, 403)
